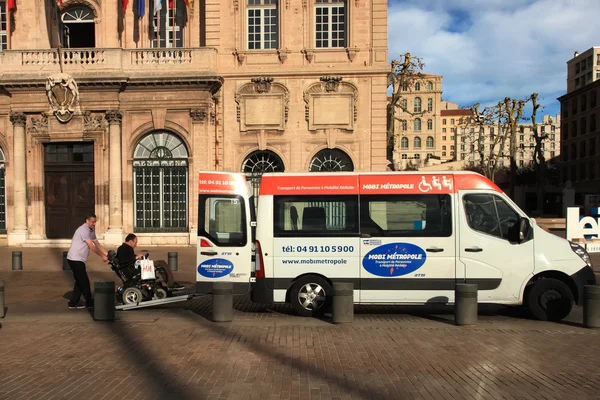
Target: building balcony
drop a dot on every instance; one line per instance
(21, 66)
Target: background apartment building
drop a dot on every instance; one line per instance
(580, 110)
(139, 100)
(418, 122)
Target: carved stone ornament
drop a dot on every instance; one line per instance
(18, 119)
(352, 53)
(236, 5)
(335, 87)
(38, 124)
(262, 84)
(332, 83)
(113, 117)
(198, 115)
(309, 54)
(93, 122)
(304, 4)
(287, 4)
(283, 55)
(272, 91)
(241, 56)
(63, 96)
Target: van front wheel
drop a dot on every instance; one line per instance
(550, 300)
(311, 296)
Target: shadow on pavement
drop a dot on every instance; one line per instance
(271, 352)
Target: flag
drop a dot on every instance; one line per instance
(141, 8)
(60, 2)
(190, 4)
(171, 4)
(11, 6)
(157, 6)
(124, 4)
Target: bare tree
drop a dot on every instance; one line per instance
(404, 73)
(486, 134)
(539, 160)
(514, 112)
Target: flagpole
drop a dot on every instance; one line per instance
(158, 30)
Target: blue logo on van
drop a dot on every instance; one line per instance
(394, 259)
(215, 268)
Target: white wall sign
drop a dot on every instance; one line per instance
(579, 227)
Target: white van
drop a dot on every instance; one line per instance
(400, 238)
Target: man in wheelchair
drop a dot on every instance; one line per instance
(135, 289)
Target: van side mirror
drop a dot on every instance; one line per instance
(519, 231)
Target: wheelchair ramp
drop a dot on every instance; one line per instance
(150, 303)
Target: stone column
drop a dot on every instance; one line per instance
(19, 232)
(114, 235)
(199, 117)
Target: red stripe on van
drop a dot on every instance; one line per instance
(474, 182)
(309, 184)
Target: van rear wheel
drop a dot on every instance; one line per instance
(311, 296)
(550, 300)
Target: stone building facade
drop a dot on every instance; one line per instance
(122, 118)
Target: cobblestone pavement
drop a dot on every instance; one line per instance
(176, 352)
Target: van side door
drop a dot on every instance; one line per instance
(497, 266)
(224, 248)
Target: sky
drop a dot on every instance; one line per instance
(487, 50)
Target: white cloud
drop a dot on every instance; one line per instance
(490, 49)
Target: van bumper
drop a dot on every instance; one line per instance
(585, 276)
(260, 292)
(239, 288)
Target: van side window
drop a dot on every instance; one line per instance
(489, 214)
(297, 216)
(223, 220)
(421, 215)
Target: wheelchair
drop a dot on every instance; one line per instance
(134, 289)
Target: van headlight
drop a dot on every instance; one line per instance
(581, 252)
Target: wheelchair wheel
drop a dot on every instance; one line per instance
(132, 295)
(160, 294)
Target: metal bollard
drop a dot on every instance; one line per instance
(17, 260)
(104, 300)
(66, 266)
(173, 260)
(2, 311)
(465, 304)
(343, 302)
(591, 306)
(222, 301)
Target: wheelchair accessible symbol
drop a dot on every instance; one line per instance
(425, 186)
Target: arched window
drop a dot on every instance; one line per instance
(417, 142)
(417, 86)
(417, 124)
(79, 27)
(404, 143)
(331, 160)
(404, 125)
(160, 169)
(430, 105)
(259, 162)
(405, 86)
(429, 85)
(429, 124)
(2, 193)
(417, 105)
(404, 104)
(429, 142)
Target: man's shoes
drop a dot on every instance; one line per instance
(74, 307)
(177, 286)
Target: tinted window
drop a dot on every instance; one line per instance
(406, 216)
(223, 220)
(315, 216)
(489, 214)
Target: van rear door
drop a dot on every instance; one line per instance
(224, 247)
